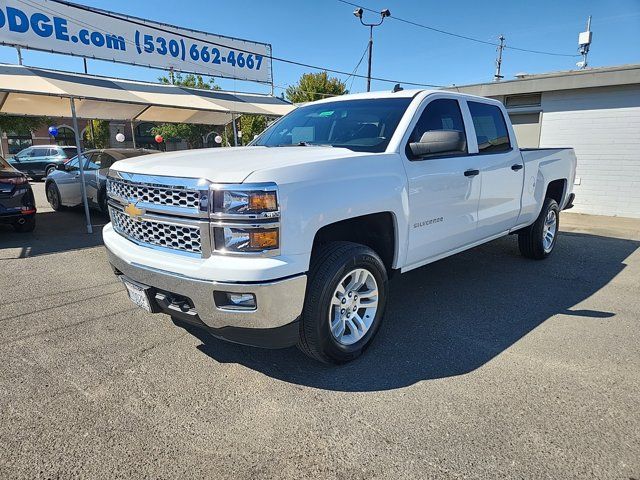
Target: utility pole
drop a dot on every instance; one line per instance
(383, 14)
(19, 55)
(584, 42)
(171, 76)
(497, 77)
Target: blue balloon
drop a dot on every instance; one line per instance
(53, 131)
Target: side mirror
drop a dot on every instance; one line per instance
(61, 166)
(436, 142)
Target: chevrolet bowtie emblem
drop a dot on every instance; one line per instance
(134, 212)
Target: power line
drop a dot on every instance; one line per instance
(355, 70)
(202, 40)
(457, 35)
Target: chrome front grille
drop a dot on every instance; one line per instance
(158, 233)
(153, 194)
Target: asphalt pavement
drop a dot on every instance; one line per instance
(488, 365)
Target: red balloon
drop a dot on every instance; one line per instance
(159, 139)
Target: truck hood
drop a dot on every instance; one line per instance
(228, 165)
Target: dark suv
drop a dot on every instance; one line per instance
(39, 161)
(17, 204)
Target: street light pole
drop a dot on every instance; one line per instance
(383, 14)
(370, 54)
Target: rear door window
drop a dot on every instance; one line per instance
(40, 152)
(491, 128)
(106, 160)
(73, 164)
(95, 161)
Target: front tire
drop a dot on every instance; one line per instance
(344, 304)
(539, 240)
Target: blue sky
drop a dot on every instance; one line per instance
(324, 32)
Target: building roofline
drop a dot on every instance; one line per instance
(563, 80)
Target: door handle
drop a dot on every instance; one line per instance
(471, 173)
(516, 167)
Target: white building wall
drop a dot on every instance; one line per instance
(603, 126)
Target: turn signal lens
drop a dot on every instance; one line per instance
(245, 240)
(263, 202)
(264, 239)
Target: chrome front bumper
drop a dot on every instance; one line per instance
(278, 303)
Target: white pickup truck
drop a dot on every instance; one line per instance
(291, 240)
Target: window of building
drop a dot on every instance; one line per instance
(66, 136)
(18, 141)
(145, 138)
(527, 100)
(491, 129)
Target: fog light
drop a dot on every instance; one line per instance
(235, 301)
(242, 299)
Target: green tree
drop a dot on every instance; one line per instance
(190, 81)
(16, 124)
(315, 86)
(250, 126)
(101, 131)
(191, 133)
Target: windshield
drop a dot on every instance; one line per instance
(360, 125)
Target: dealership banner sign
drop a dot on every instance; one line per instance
(63, 27)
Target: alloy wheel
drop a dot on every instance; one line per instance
(353, 306)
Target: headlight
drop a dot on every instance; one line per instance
(249, 239)
(246, 201)
(246, 218)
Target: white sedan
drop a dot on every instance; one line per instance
(63, 185)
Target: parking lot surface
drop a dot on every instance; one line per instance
(488, 365)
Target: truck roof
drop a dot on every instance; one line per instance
(382, 94)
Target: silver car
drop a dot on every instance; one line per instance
(63, 185)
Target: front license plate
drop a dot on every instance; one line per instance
(138, 295)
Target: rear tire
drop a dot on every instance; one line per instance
(50, 169)
(344, 304)
(29, 225)
(53, 196)
(539, 240)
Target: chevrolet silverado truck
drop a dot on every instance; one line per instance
(292, 239)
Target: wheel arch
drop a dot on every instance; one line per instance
(556, 189)
(378, 231)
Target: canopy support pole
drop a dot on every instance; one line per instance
(235, 129)
(83, 188)
(133, 134)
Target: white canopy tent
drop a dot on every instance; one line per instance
(38, 92)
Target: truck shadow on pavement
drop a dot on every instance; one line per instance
(451, 317)
(55, 232)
